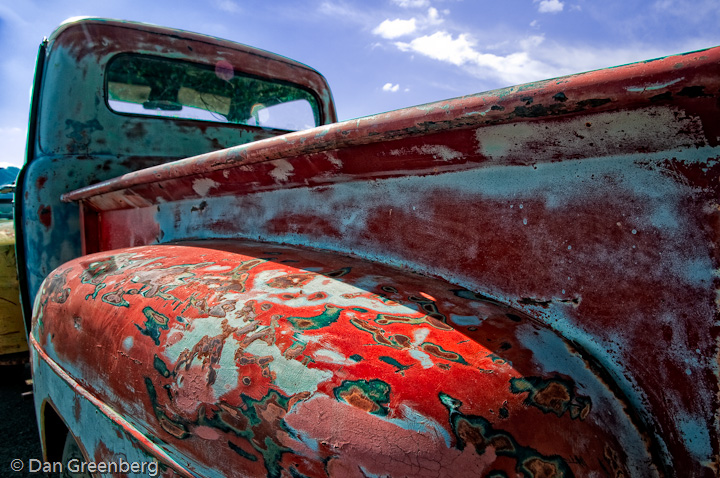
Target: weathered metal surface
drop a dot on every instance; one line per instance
(93, 420)
(78, 54)
(13, 340)
(288, 362)
(80, 141)
(588, 202)
(672, 95)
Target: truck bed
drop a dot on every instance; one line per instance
(589, 203)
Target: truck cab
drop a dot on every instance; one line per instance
(112, 97)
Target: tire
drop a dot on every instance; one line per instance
(72, 451)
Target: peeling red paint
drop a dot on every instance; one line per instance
(364, 366)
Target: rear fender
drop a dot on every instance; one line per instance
(267, 360)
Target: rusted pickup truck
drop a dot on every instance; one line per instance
(518, 283)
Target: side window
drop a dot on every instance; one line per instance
(151, 86)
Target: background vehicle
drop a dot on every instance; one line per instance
(516, 282)
(13, 339)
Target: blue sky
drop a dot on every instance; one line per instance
(380, 55)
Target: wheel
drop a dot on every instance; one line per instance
(72, 451)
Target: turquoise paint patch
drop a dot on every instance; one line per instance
(653, 87)
(663, 217)
(698, 271)
(155, 323)
(696, 436)
(414, 421)
(465, 319)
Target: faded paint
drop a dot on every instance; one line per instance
(80, 141)
(94, 427)
(588, 203)
(437, 151)
(282, 172)
(604, 210)
(203, 186)
(409, 377)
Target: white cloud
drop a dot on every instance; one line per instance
(527, 59)
(532, 42)
(391, 88)
(550, 6)
(434, 16)
(412, 3)
(442, 46)
(395, 28)
(516, 67)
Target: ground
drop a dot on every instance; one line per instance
(19, 437)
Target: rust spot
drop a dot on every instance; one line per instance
(402, 340)
(371, 396)
(502, 443)
(533, 301)
(542, 469)
(200, 207)
(594, 102)
(554, 396)
(471, 434)
(76, 407)
(290, 280)
(303, 324)
(172, 428)
(137, 131)
(318, 296)
(357, 399)
(45, 215)
(693, 92)
(667, 96)
(613, 460)
(216, 144)
(433, 349)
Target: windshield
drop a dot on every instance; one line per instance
(152, 86)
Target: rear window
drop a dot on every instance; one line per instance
(152, 86)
